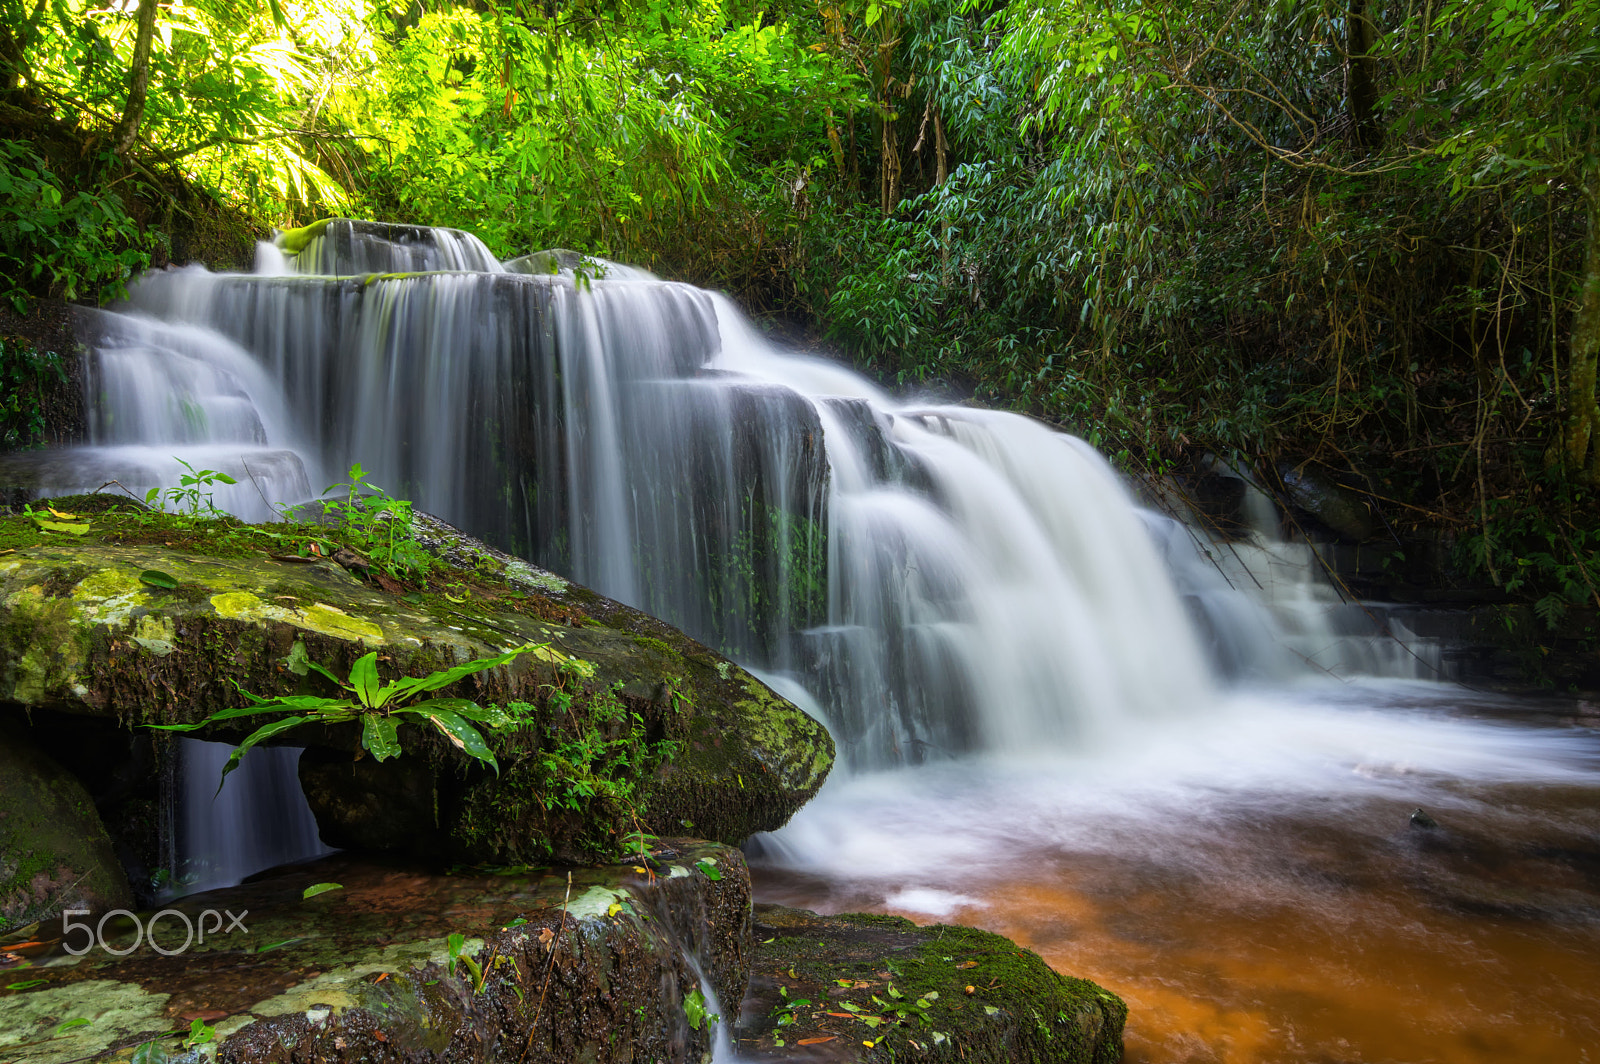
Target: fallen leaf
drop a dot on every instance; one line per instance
(156, 578)
(968, 964)
(320, 888)
(971, 989)
(63, 516)
(841, 1015)
(815, 1041)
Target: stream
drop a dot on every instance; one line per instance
(1188, 773)
(1252, 884)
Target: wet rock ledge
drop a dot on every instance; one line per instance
(864, 988)
(592, 968)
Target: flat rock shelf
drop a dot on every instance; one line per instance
(554, 965)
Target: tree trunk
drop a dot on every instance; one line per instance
(1583, 419)
(138, 79)
(1360, 75)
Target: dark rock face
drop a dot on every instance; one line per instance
(54, 852)
(594, 967)
(959, 994)
(81, 634)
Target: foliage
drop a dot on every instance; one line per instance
(694, 1010)
(380, 707)
(25, 371)
(189, 499)
(78, 244)
(594, 757)
(377, 524)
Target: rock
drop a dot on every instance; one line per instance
(552, 260)
(1342, 510)
(705, 743)
(54, 851)
(1018, 1009)
(1421, 819)
(594, 967)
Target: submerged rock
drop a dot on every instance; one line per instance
(859, 987)
(625, 717)
(54, 851)
(592, 965)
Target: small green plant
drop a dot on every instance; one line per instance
(189, 499)
(199, 1034)
(151, 1052)
(694, 1010)
(378, 524)
(378, 706)
(456, 946)
(786, 1013)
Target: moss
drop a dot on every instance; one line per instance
(54, 852)
(1018, 1010)
(18, 533)
(294, 241)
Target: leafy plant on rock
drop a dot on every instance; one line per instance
(380, 707)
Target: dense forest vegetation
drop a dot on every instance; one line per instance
(1349, 239)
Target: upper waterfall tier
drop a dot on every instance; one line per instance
(339, 247)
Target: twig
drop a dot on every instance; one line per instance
(555, 944)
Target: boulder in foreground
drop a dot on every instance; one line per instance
(598, 967)
(881, 988)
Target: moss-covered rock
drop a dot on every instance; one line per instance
(859, 987)
(592, 965)
(54, 852)
(700, 744)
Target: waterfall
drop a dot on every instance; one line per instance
(257, 820)
(940, 578)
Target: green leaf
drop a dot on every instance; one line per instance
(709, 870)
(26, 984)
(416, 685)
(266, 731)
(379, 735)
(70, 1024)
(364, 681)
(76, 528)
(156, 578)
(458, 731)
(319, 888)
(151, 1052)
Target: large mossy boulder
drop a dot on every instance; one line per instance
(859, 987)
(626, 722)
(54, 851)
(397, 965)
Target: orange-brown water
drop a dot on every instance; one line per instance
(1320, 929)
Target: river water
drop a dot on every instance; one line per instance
(1252, 884)
(1183, 768)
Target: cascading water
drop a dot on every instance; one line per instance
(945, 578)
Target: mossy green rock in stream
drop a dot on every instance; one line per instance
(688, 740)
(880, 988)
(553, 968)
(54, 853)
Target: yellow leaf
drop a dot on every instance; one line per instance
(63, 516)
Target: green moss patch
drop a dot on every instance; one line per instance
(860, 987)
